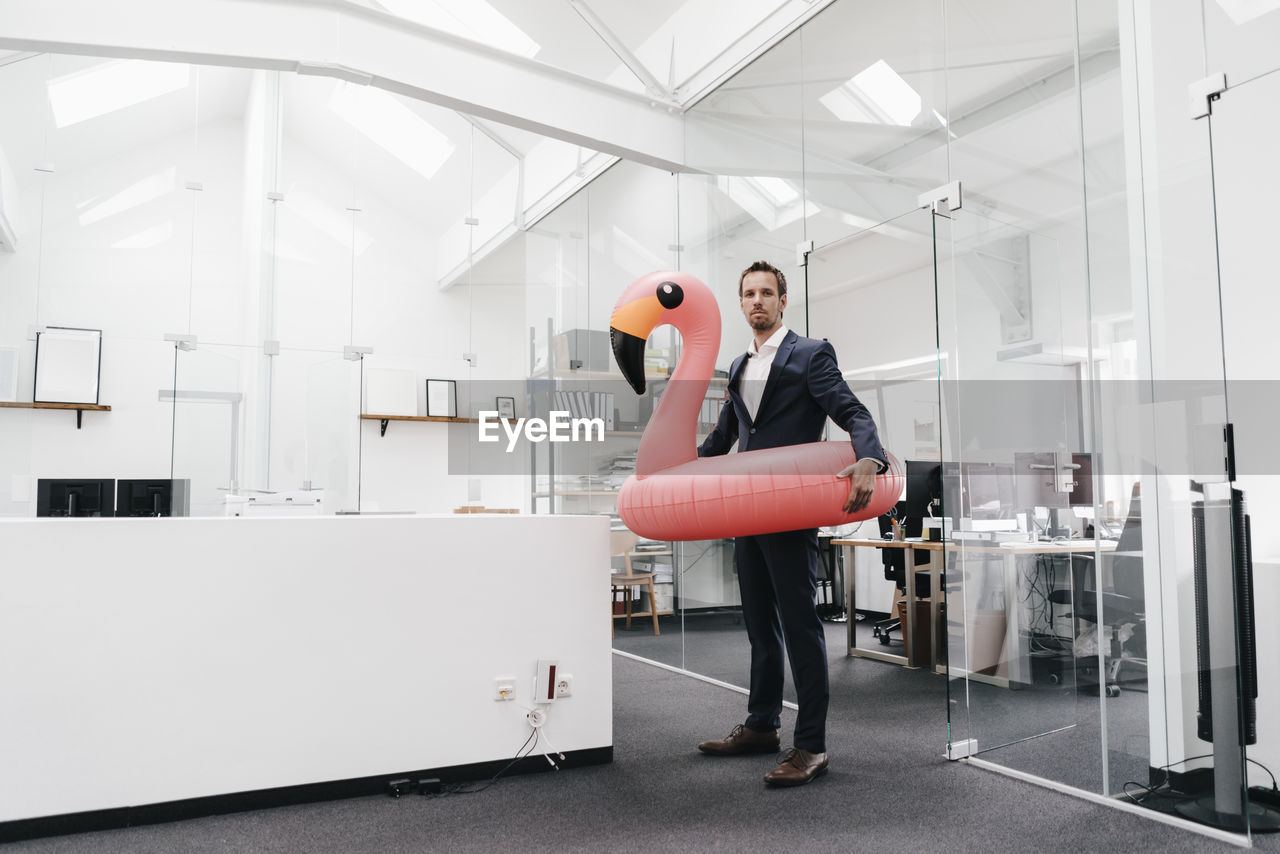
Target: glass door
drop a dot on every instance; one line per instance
(1018, 499)
(871, 293)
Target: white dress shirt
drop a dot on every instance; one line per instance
(756, 371)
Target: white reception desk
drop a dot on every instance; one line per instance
(147, 661)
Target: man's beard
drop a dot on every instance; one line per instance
(762, 322)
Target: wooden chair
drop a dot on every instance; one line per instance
(622, 544)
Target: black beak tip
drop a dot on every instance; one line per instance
(628, 352)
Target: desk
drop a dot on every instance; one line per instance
(935, 596)
(1016, 642)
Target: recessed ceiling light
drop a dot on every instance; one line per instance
(391, 125)
(877, 95)
(113, 86)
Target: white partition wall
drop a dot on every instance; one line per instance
(148, 661)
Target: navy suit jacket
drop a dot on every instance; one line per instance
(804, 387)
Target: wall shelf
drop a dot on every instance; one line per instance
(80, 408)
(384, 419)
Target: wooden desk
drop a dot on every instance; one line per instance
(1016, 635)
(1015, 646)
(909, 547)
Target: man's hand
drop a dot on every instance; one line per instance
(862, 480)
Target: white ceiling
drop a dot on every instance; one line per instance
(999, 70)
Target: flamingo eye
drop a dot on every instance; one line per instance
(670, 294)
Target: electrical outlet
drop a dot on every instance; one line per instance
(564, 686)
(504, 688)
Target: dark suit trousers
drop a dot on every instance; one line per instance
(778, 579)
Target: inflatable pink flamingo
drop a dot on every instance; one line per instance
(674, 494)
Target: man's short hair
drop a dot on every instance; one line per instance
(764, 267)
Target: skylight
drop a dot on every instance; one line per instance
(113, 86)
(770, 201)
(392, 126)
(877, 95)
(777, 190)
(471, 19)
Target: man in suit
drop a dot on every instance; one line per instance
(781, 392)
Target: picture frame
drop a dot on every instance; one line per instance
(506, 408)
(68, 365)
(442, 398)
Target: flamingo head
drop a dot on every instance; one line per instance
(650, 301)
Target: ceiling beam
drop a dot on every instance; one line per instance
(362, 45)
(620, 50)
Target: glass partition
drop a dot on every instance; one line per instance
(748, 136)
(893, 369)
(578, 261)
(207, 404)
(331, 453)
(874, 111)
(94, 197)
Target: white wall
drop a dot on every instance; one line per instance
(212, 656)
(235, 270)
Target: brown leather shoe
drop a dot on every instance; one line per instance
(797, 768)
(742, 740)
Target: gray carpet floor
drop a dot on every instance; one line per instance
(888, 790)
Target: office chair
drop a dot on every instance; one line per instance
(895, 570)
(1122, 604)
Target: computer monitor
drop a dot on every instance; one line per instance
(160, 497)
(933, 490)
(989, 491)
(75, 497)
(1081, 494)
(924, 488)
(1038, 478)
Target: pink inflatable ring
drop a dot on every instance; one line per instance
(674, 494)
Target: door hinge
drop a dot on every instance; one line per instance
(942, 200)
(803, 248)
(1202, 93)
